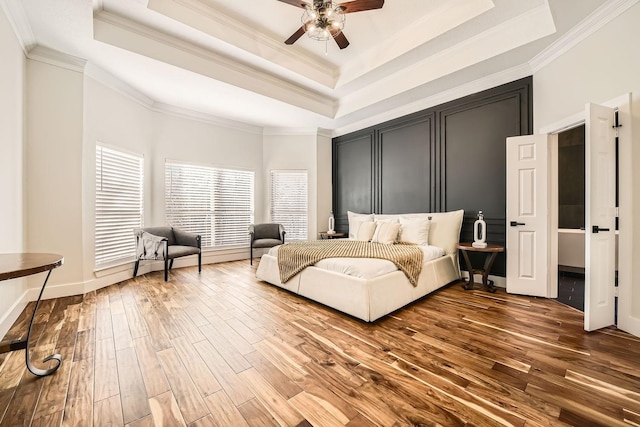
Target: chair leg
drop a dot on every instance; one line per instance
(166, 270)
(171, 264)
(199, 262)
(135, 267)
(251, 254)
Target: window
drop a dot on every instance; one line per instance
(119, 204)
(289, 202)
(215, 203)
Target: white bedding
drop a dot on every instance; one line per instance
(369, 294)
(367, 268)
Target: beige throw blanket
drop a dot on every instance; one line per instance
(296, 256)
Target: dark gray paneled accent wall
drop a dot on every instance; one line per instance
(448, 157)
(404, 165)
(353, 164)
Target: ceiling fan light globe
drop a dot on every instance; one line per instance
(323, 20)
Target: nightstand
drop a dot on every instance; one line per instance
(324, 235)
(491, 251)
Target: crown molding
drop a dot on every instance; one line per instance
(275, 131)
(57, 58)
(318, 132)
(206, 18)
(114, 83)
(592, 23)
(457, 92)
(17, 17)
(496, 40)
(184, 113)
(327, 133)
(441, 19)
(130, 35)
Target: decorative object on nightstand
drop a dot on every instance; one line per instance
(332, 223)
(480, 232)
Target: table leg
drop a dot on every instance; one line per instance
(488, 263)
(37, 371)
(469, 284)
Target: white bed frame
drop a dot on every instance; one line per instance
(370, 299)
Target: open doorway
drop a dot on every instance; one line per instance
(571, 217)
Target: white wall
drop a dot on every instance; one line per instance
(324, 187)
(12, 224)
(603, 67)
(54, 98)
(295, 151)
(208, 144)
(122, 122)
(176, 138)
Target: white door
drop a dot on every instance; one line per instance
(600, 212)
(528, 215)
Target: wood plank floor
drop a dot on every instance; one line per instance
(221, 348)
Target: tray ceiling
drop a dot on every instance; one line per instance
(227, 58)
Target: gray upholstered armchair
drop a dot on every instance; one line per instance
(166, 243)
(265, 236)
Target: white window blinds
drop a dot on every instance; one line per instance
(119, 204)
(215, 203)
(289, 202)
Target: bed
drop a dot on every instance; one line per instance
(370, 292)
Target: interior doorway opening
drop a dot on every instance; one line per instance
(571, 217)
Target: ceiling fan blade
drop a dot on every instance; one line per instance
(295, 36)
(297, 3)
(360, 5)
(341, 40)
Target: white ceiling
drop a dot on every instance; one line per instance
(227, 59)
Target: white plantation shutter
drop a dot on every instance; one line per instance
(119, 204)
(289, 202)
(215, 203)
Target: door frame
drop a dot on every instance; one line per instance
(622, 103)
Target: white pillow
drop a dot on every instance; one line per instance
(381, 221)
(414, 231)
(354, 222)
(365, 230)
(386, 232)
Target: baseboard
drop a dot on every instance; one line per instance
(13, 313)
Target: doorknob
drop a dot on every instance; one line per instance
(515, 224)
(597, 229)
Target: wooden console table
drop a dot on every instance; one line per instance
(17, 265)
(491, 251)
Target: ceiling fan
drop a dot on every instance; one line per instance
(322, 20)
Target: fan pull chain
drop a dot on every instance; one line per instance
(326, 49)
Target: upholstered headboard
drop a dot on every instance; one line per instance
(444, 230)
